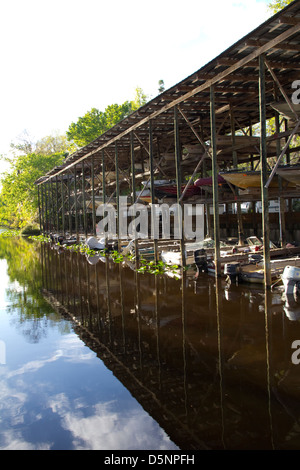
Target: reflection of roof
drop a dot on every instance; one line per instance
(234, 75)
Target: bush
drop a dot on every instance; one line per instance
(31, 229)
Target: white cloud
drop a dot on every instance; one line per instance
(108, 429)
(62, 58)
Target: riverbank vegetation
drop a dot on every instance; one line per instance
(29, 160)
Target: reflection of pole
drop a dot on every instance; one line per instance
(183, 287)
(220, 357)
(108, 298)
(122, 306)
(268, 319)
(157, 320)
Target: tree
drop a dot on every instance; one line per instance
(95, 122)
(161, 86)
(18, 197)
(277, 5)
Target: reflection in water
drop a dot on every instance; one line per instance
(210, 364)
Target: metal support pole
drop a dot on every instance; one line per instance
(178, 182)
(84, 209)
(117, 193)
(76, 204)
(132, 156)
(264, 174)
(215, 183)
(57, 205)
(281, 214)
(151, 164)
(69, 204)
(93, 196)
(235, 164)
(46, 206)
(39, 206)
(62, 206)
(103, 178)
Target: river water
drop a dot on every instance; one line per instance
(96, 356)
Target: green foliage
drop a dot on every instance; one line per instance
(95, 122)
(18, 197)
(277, 5)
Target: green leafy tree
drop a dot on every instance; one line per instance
(18, 197)
(277, 5)
(96, 122)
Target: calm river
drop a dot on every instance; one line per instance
(96, 356)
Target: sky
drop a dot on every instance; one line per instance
(60, 58)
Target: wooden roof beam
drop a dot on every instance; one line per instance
(204, 87)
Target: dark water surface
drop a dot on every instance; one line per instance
(96, 356)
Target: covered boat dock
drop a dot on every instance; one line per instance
(203, 127)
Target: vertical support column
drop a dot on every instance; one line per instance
(264, 175)
(151, 164)
(132, 157)
(69, 204)
(215, 182)
(57, 205)
(63, 205)
(103, 178)
(39, 206)
(43, 208)
(93, 196)
(178, 182)
(281, 200)
(84, 209)
(117, 193)
(76, 203)
(46, 206)
(51, 206)
(235, 164)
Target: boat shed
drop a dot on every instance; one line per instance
(208, 124)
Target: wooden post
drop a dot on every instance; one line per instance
(264, 175)
(215, 183)
(84, 209)
(93, 196)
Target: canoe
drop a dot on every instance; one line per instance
(250, 179)
(290, 173)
